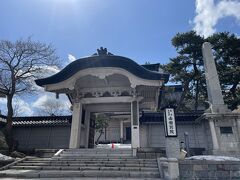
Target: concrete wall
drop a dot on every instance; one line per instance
(197, 169)
(153, 135)
(45, 137)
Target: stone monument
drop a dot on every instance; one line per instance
(214, 92)
(223, 124)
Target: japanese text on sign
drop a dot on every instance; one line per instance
(169, 120)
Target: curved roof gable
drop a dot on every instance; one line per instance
(102, 60)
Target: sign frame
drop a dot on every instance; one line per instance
(166, 123)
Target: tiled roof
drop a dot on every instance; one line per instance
(103, 61)
(2, 92)
(40, 120)
(152, 117)
(156, 117)
(152, 67)
(3, 120)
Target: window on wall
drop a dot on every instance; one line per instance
(226, 130)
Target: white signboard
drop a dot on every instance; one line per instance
(169, 121)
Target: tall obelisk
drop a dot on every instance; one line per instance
(214, 92)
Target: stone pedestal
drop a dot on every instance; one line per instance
(168, 168)
(172, 147)
(224, 143)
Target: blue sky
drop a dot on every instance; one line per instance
(141, 30)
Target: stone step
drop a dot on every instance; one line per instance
(96, 155)
(97, 150)
(69, 173)
(78, 163)
(81, 168)
(92, 157)
(87, 164)
(114, 158)
(92, 164)
(94, 152)
(94, 161)
(38, 158)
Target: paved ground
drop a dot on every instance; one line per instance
(81, 178)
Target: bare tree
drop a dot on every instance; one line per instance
(20, 62)
(54, 108)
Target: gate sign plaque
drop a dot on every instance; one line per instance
(169, 122)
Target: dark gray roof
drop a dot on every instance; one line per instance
(3, 120)
(40, 120)
(2, 92)
(103, 61)
(152, 67)
(148, 117)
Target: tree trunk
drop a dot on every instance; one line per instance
(8, 128)
(233, 89)
(184, 93)
(196, 74)
(196, 96)
(99, 136)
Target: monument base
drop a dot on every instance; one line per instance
(226, 127)
(172, 147)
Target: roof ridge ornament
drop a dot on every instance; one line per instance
(102, 52)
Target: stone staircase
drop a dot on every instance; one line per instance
(93, 163)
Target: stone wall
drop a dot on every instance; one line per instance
(150, 153)
(205, 169)
(44, 137)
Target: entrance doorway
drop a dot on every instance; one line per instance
(128, 134)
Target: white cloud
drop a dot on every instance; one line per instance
(45, 71)
(209, 13)
(45, 98)
(21, 107)
(71, 58)
(3, 105)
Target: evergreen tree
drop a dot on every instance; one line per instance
(187, 67)
(227, 55)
